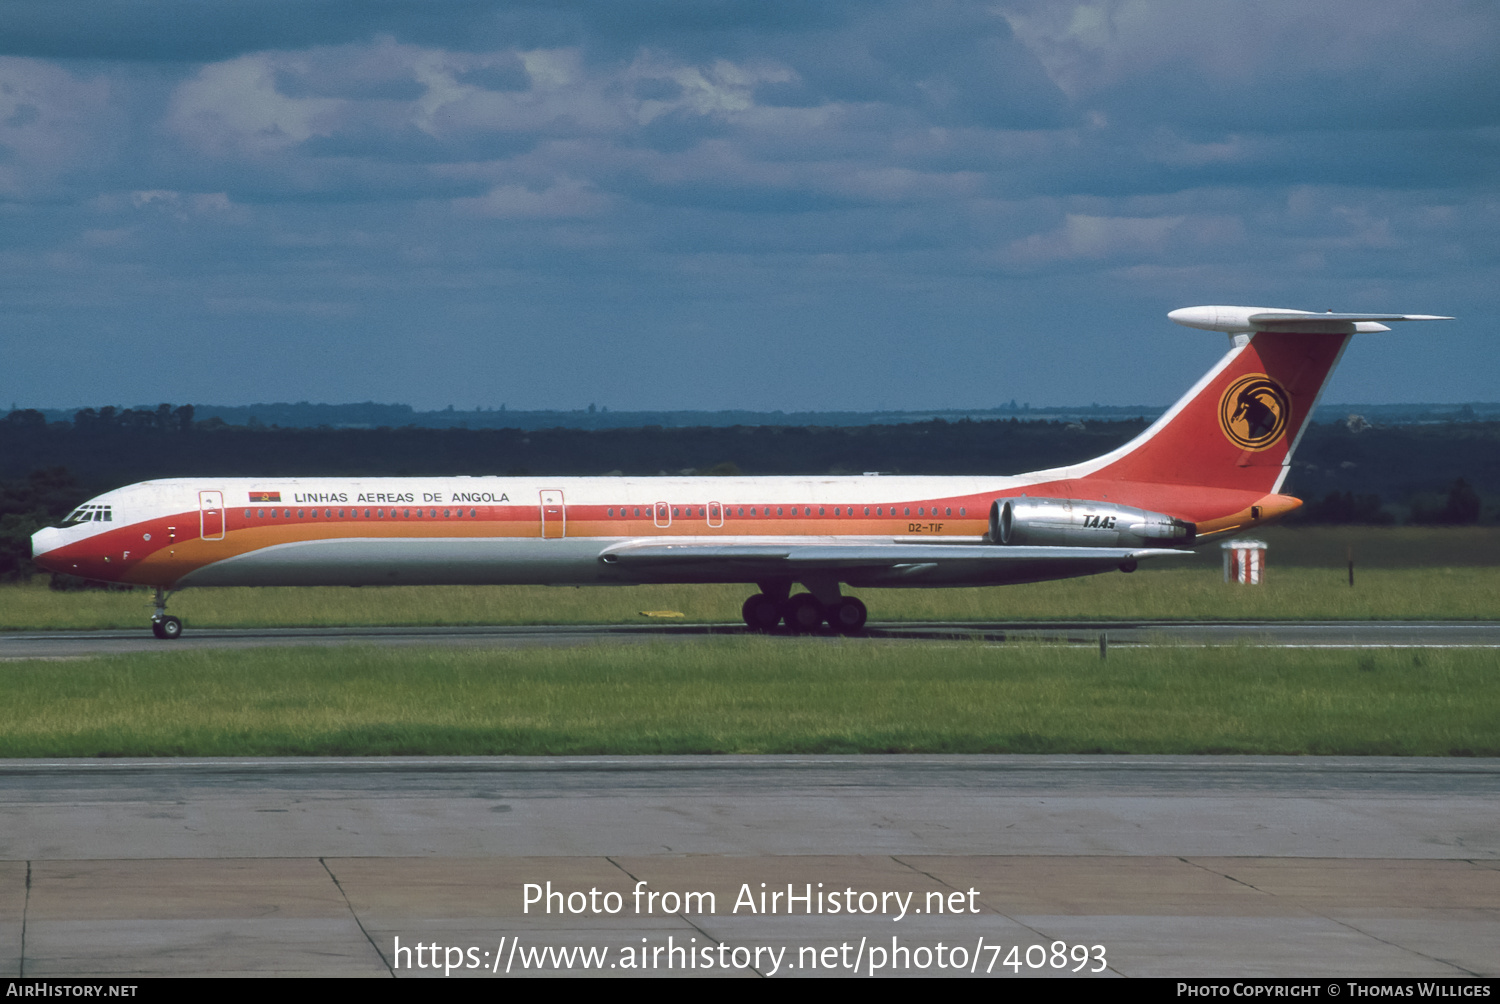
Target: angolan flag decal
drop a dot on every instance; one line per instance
(265, 496)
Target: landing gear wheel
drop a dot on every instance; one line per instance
(167, 628)
(761, 613)
(847, 616)
(803, 613)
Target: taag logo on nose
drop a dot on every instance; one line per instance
(1253, 412)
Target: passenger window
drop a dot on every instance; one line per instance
(906, 511)
(961, 510)
(471, 512)
(820, 510)
(947, 511)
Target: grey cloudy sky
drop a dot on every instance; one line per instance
(757, 204)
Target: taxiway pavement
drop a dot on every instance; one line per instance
(1176, 866)
(1289, 634)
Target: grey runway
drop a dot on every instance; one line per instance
(1309, 634)
(1178, 866)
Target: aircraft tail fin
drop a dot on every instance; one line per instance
(1239, 425)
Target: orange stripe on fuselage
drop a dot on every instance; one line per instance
(175, 548)
(165, 559)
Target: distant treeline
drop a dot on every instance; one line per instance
(372, 415)
(1347, 472)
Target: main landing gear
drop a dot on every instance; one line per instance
(164, 627)
(805, 612)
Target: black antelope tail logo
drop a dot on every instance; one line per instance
(1253, 412)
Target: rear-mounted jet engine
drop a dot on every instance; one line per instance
(1078, 523)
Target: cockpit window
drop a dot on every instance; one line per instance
(90, 513)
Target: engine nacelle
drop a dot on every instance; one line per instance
(1080, 523)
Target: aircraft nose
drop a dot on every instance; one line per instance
(48, 538)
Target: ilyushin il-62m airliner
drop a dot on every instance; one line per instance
(1211, 466)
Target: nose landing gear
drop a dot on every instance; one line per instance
(163, 626)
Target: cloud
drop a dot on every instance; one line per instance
(53, 124)
(770, 177)
(189, 205)
(1270, 65)
(1097, 237)
(234, 108)
(566, 198)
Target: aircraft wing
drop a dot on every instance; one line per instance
(867, 563)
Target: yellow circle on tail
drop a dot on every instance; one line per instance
(1254, 411)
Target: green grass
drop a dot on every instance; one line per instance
(1193, 593)
(1381, 547)
(753, 695)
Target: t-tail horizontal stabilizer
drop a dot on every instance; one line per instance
(1245, 320)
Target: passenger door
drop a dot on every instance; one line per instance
(554, 515)
(211, 515)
